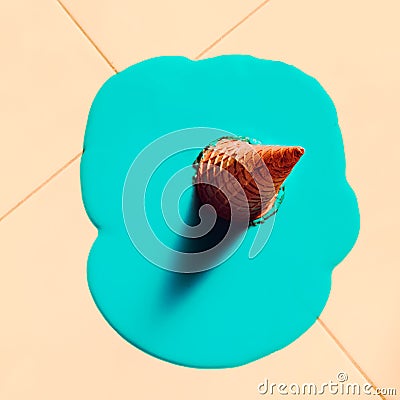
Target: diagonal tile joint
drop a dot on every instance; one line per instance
(77, 156)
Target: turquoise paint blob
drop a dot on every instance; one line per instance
(246, 308)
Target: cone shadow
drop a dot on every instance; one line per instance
(179, 285)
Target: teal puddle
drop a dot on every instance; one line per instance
(247, 307)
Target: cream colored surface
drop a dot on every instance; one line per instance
(131, 31)
(352, 49)
(54, 344)
(49, 76)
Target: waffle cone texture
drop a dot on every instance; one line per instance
(242, 180)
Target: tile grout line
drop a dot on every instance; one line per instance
(348, 355)
(229, 31)
(73, 19)
(79, 26)
(44, 183)
(77, 156)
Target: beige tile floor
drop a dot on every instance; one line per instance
(54, 344)
(350, 47)
(49, 76)
(130, 31)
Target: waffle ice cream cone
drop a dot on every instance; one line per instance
(242, 180)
